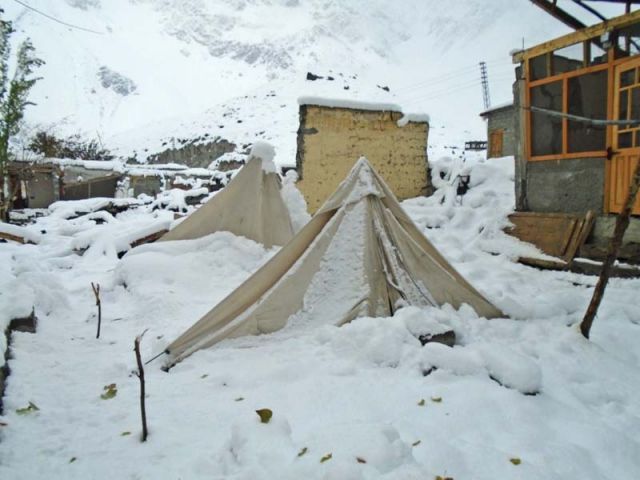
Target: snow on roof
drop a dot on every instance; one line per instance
(413, 117)
(499, 106)
(113, 165)
(347, 103)
(359, 105)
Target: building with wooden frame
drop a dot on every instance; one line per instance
(577, 118)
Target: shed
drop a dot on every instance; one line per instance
(500, 130)
(577, 123)
(334, 134)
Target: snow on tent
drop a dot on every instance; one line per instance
(250, 206)
(360, 255)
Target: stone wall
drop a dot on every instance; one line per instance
(197, 155)
(42, 189)
(148, 184)
(330, 141)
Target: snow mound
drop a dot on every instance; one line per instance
(512, 370)
(294, 200)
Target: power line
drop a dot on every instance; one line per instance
(453, 76)
(452, 73)
(57, 20)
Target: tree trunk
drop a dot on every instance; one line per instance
(622, 222)
(140, 374)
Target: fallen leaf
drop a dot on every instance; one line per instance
(204, 375)
(416, 443)
(124, 434)
(110, 391)
(303, 451)
(265, 415)
(326, 457)
(515, 461)
(32, 407)
(421, 403)
(436, 399)
(73, 459)
(239, 399)
(360, 460)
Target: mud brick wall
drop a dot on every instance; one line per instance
(330, 141)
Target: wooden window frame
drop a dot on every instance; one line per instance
(609, 66)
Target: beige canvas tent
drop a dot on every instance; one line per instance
(250, 206)
(360, 255)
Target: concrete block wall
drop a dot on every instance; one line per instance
(566, 186)
(330, 141)
(503, 119)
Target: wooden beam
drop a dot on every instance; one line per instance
(588, 33)
(558, 13)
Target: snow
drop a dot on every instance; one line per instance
(265, 152)
(497, 106)
(528, 387)
(201, 67)
(28, 234)
(413, 117)
(294, 200)
(349, 103)
(364, 105)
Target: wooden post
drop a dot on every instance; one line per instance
(140, 375)
(96, 292)
(622, 222)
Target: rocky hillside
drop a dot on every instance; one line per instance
(144, 74)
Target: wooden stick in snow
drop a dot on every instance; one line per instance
(622, 222)
(96, 292)
(140, 375)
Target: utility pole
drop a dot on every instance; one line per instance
(485, 85)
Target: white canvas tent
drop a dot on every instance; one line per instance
(360, 255)
(250, 206)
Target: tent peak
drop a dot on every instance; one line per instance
(265, 152)
(361, 182)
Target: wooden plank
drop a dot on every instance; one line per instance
(149, 238)
(550, 232)
(580, 237)
(571, 246)
(579, 266)
(629, 252)
(13, 238)
(585, 34)
(543, 264)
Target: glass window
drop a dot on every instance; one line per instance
(623, 109)
(587, 97)
(624, 140)
(546, 130)
(568, 59)
(628, 77)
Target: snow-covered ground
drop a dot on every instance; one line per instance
(367, 397)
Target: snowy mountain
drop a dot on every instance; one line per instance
(142, 74)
